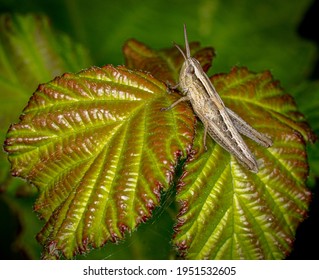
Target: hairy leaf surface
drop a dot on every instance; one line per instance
(100, 150)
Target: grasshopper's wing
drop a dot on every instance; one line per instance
(224, 132)
(245, 129)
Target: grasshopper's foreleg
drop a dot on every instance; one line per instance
(184, 98)
(171, 87)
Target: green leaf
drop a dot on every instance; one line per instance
(228, 212)
(151, 241)
(30, 53)
(100, 151)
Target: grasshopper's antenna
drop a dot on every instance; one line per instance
(180, 50)
(188, 53)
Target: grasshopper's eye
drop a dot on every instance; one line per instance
(190, 70)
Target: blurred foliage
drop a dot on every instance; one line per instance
(260, 35)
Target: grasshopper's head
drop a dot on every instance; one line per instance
(191, 68)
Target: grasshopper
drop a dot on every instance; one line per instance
(222, 124)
